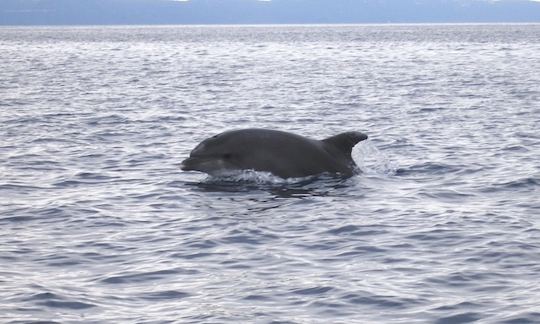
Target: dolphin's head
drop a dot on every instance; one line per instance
(213, 156)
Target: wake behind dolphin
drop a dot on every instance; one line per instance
(283, 154)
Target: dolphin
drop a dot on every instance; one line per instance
(283, 154)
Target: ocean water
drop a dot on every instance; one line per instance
(99, 225)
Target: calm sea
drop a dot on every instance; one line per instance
(99, 225)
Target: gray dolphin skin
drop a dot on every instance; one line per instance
(283, 154)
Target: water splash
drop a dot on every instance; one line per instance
(250, 176)
(372, 161)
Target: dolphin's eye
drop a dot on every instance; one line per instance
(227, 156)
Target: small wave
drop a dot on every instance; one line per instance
(343, 229)
(94, 176)
(56, 301)
(83, 179)
(445, 194)
(467, 317)
(354, 230)
(67, 304)
(429, 168)
(378, 300)
(113, 119)
(165, 295)
(256, 298)
(145, 276)
(192, 256)
(524, 318)
(16, 219)
(44, 296)
(522, 183)
(34, 322)
(516, 148)
(526, 184)
(361, 250)
(49, 212)
(243, 239)
(313, 290)
(52, 140)
(20, 187)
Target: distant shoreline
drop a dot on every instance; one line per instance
(280, 24)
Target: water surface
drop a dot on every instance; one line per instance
(98, 224)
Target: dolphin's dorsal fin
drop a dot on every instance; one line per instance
(344, 142)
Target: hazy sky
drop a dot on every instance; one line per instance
(28, 12)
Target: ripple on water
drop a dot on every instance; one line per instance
(146, 276)
(523, 317)
(312, 291)
(381, 301)
(466, 317)
(52, 300)
(165, 295)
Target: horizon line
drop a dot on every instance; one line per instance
(277, 24)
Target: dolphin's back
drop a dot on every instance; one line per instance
(290, 155)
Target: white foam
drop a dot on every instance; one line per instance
(371, 160)
(252, 176)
